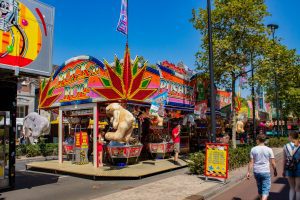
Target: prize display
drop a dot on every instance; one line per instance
(122, 121)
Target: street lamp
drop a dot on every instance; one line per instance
(253, 97)
(211, 74)
(273, 28)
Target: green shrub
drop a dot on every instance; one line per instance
(277, 142)
(196, 163)
(44, 149)
(237, 158)
(18, 152)
(51, 149)
(32, 150)
(21, 150)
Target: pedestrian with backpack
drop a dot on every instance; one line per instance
(260, 158)
(291, 157)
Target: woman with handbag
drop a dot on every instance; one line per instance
(291, 164)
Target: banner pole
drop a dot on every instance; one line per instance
(127, 22)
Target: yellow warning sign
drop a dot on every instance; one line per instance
(216, 158)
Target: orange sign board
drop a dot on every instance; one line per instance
(81, 140)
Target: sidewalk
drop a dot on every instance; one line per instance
(36, 158)
(182, 187)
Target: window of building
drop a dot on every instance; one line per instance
(22, 111)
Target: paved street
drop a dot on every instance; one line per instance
(172, 185)
(247, 189)
(35, 185)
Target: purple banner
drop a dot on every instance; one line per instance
(122, 25)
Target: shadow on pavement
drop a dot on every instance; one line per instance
(281, 181)
(30, 179)
(284, 193)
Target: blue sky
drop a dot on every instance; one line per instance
(158, 29)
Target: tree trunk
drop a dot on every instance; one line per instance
(281, 120)
(233, 123)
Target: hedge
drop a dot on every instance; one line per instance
(278, 142)
(237, 158)
(196, 162)
(43, 149)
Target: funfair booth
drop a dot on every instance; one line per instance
(83, 87)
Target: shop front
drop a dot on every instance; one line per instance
(25, 51)
(8, 86)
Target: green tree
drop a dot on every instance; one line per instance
(283, 63)
(238, 33)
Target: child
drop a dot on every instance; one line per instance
(100, 150)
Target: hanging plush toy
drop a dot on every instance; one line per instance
(156, 120)
(240, 124)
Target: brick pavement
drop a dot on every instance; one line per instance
(179, 187)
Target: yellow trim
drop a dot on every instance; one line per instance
(99, 123)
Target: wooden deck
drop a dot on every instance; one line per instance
(140, 170)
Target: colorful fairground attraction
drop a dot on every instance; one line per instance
(118, 114)
(124, 113)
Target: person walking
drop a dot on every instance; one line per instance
(176, 141)
(292, 151)
(260, 158)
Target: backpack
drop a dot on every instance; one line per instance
(291, 162)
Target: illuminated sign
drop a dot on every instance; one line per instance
(175, 88)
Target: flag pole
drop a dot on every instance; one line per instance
(127, 23)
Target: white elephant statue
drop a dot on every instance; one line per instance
(35, 125)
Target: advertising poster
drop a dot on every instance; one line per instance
(158, 104)
(81, 150)
(223, 99)
(84, 140)
(201, 109)
(26, 36)
(77, 140)
(216, 158)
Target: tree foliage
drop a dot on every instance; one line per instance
(238, 33)
(282, 63)
(237, 29)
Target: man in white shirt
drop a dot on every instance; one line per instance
(261, 156)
